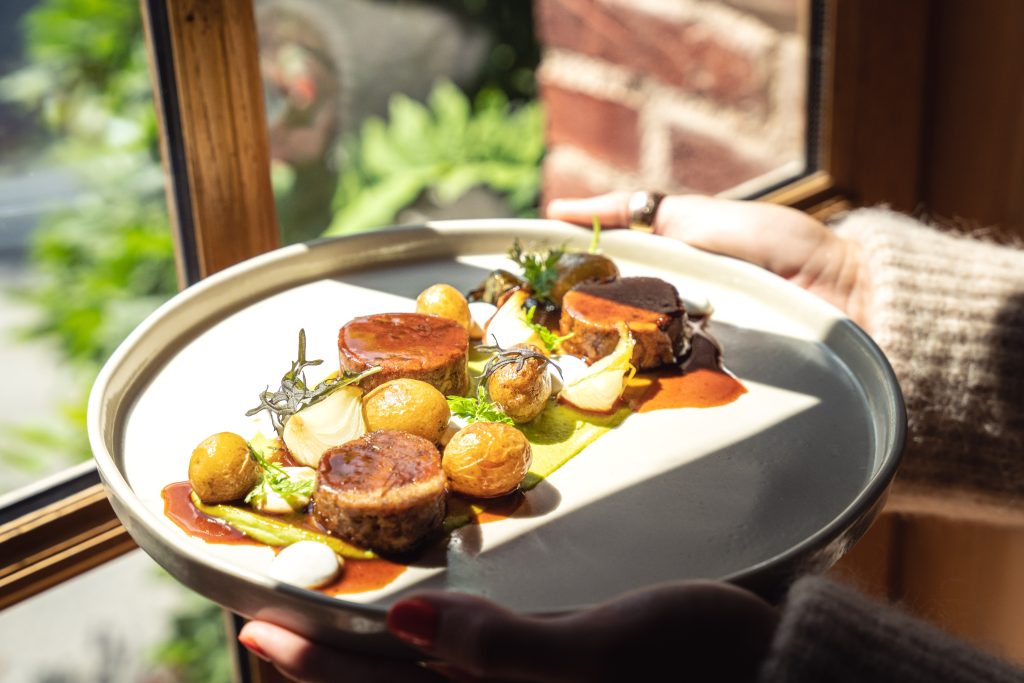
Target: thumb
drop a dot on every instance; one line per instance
(485, 640)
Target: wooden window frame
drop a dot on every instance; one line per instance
(204, 61)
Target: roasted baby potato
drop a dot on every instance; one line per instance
(518, 382)
(408, 405)
(486, 459)
(494, 288)
(576, 267)
(444, 301)
(221, 469)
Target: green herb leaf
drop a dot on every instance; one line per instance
(538, 268)
(294, 394)
(477, 409)
(595, 240)
(274, 477)
(551, 340)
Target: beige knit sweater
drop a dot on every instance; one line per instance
(948, 311)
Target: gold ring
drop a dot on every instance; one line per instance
(643, 206)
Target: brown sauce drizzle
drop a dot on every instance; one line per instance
(358, 575)
(700, 382)
(179, 509)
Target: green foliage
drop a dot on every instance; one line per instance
(102, 267)
(445, 148)
(197, 651)
(86, 74)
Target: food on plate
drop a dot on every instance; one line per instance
(649, 306)
(444, 301)
(518, 381)
(574, 268)
(496, 286)
(274, 531)
(408, 405)
(599, 387)
(424, 347)
(220, 469)
(356, 471)
(384, 490)
(309, 564)
(332, 421)
(475, 409)
(295, 395)
(509, 327)
(487, 459)
(549, 274)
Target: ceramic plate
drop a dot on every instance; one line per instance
(778, 482)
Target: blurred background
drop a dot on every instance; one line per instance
(395, 111)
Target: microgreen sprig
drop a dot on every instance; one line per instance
(477, 409)
(274, 477)
(538, 268)
(551, 340)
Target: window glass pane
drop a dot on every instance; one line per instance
(386, 111)
(85, 248)
(684, 96)
(124, 622)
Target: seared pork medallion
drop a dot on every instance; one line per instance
(385, 490)
(413, 345)
(650, 307)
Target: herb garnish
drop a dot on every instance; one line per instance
(538, 268)
(477, 409)
(596, 238)
(551, 340)
(274, 477)
(294, 394)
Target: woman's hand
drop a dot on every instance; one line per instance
(704, 631)
(785, 241)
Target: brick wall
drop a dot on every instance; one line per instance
(676, 95)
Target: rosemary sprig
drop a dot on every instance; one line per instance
(538, 268)
(477, 409)
(551, 340)
(295, 394)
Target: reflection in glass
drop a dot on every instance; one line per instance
(385, 112)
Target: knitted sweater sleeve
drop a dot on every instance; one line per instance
(830, 633)
(948, 311)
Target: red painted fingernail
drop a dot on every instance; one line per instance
(414, 621)
(253, 647)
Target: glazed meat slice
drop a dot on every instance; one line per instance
(384, 490)
(413, 345)
(650, 307)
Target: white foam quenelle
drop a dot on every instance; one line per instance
(307, 564)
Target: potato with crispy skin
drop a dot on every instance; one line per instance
(486, 459)
(444, 301)
(518, 382)
(407, 405)
(221, 469)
